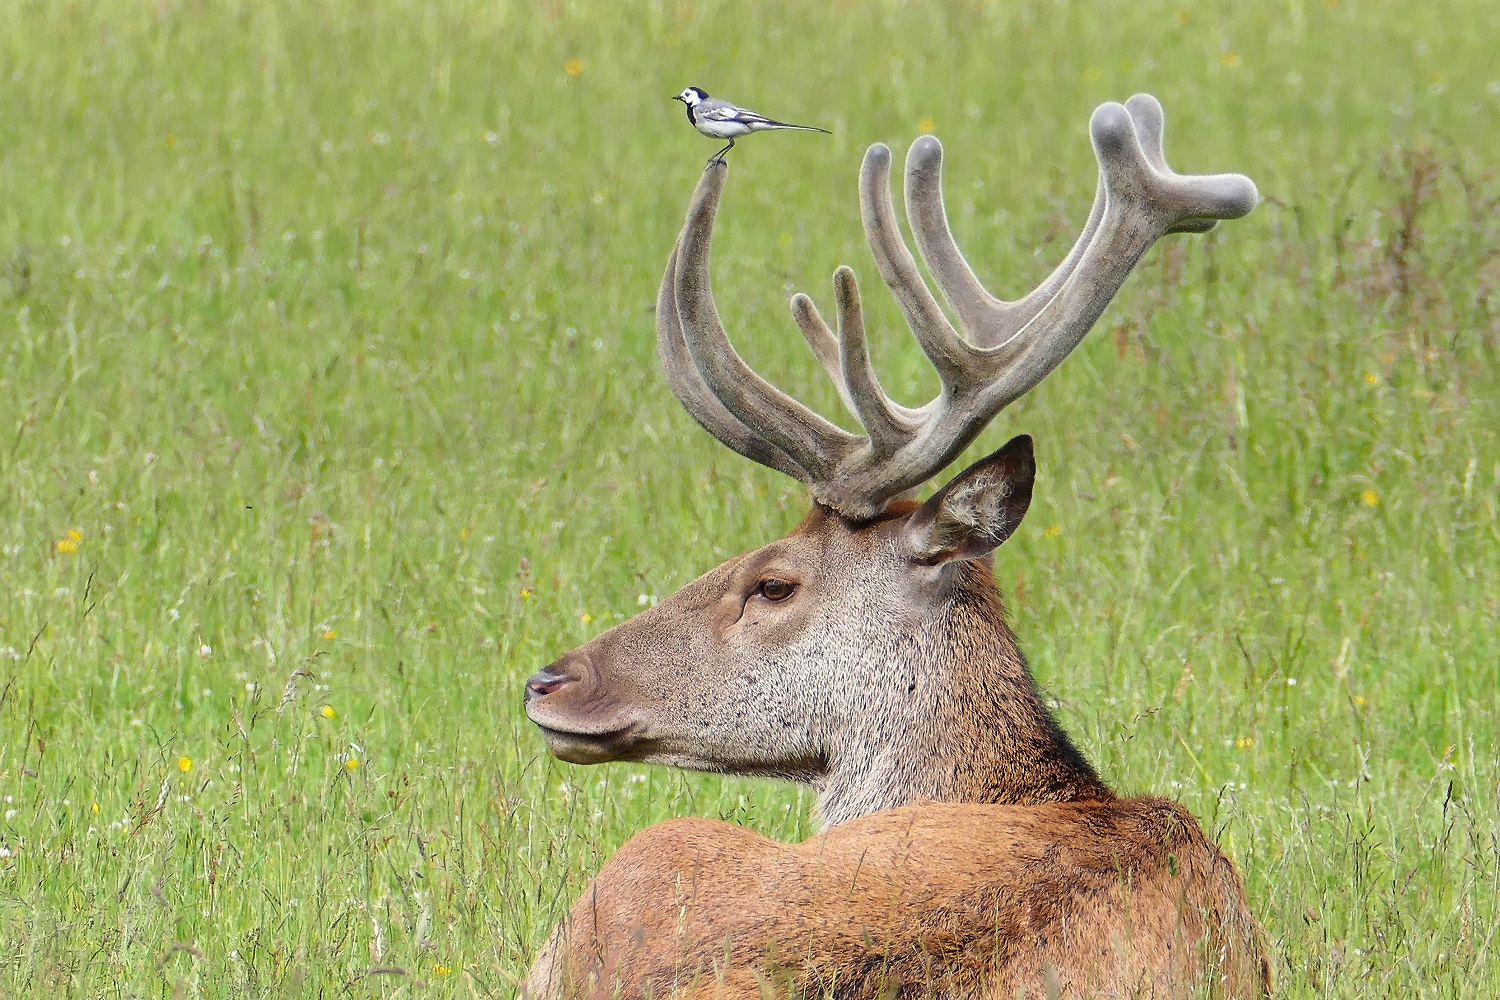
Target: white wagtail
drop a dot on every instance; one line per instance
(722, 120)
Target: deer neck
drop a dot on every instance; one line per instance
(964, 721)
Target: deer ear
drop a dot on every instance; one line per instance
(976, 511)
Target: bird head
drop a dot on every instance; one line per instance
(691, 96)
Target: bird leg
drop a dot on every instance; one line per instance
(719, 156)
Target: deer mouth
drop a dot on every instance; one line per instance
(582, 721)
(580, 737)
(587, 746)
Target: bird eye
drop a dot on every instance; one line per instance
(774, 590)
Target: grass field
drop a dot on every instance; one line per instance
(329, 412)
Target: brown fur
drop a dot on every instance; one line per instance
(1123, 897)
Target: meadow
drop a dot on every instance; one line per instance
(329, 411)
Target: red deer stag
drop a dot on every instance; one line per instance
(969, 849)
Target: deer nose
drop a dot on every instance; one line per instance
(544, 682)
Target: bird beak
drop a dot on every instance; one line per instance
(678, 97)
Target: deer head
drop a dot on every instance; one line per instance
(867, 652)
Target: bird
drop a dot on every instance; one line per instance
(721, 120)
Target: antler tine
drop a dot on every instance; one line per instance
(1150, 123)
(1142, 204)
(986, 320)
(694, 394)
(824, 345)
(888, 424)
(813, 444)
(947, 351)
(846, 357)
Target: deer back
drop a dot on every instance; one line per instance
(1116, 898)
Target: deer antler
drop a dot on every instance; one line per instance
(1005, 348)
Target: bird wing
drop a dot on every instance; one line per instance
(743, 116)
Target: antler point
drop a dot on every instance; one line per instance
(927, 145)
(844, 284)
(1240, 195)
(1110, 125)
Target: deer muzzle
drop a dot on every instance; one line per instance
(580, 721)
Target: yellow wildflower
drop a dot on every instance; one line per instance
(327, 712)
(330, 634)
(926, 125)
(585, 617)
(94, 807)
(68, 544)
(441, 970)
(1359, 700)
(1369, 498)
(1371, 378)
(351, 763)
(525, 593)
(184, 764)
(573, 66)
(1244, 742)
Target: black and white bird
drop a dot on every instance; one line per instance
(721, 120)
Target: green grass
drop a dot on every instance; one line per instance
(327, 328)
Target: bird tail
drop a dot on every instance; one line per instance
(798, 128)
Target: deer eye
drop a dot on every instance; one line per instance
(775, 590)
